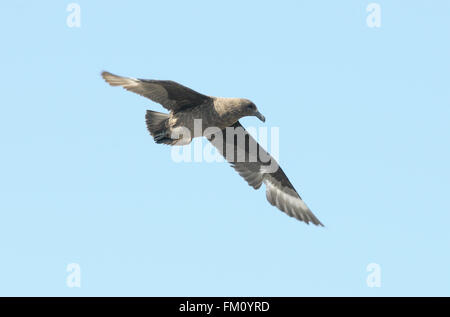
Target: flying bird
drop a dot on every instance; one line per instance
(247, 157)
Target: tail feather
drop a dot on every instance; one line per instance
(157, 126)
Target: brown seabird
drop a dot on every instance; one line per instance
(244, 154)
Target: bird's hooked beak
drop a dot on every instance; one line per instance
(260, 116)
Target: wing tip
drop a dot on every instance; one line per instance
(290, 203)
(106, 74)
(108, 77)
(115, 80)
(318, 223)
(308, 217)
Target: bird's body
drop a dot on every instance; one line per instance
(212, 113)
(191, 114)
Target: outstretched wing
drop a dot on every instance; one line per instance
(256, 166)
(169, 94)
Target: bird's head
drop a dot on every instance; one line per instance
(248, 108)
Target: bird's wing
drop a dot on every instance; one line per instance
(256, 166)
(169, 94)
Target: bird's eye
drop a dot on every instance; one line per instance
(251, 107)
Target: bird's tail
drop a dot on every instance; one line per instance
(157, 126)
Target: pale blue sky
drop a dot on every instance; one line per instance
(364, 126)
